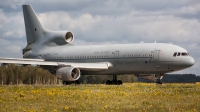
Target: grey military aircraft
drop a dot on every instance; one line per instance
(52, 50)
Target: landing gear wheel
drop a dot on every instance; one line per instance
(108, 82)
(158, 81)
(119, 82)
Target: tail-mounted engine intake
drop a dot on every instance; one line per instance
(68, 73)
(59, 37)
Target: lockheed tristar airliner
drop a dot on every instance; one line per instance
(52, 50)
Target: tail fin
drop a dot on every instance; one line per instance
(34, 29)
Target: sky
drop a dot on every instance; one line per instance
(107, 22)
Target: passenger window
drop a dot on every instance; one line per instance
(175, 54)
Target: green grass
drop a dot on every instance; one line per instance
(127, 97)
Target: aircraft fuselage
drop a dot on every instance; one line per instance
(142, 58)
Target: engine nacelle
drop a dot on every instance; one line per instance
(60, 37)
(68, 73)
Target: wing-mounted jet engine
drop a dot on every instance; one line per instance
(68, 73)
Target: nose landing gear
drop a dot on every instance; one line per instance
(158, 81)
(158, 78)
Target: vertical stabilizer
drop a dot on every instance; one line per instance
(34, 29)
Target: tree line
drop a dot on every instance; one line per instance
(14, 74)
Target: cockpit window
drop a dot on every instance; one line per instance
(184, 54)
(175, 54)
(178, 54)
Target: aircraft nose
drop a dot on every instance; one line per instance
(190, 61)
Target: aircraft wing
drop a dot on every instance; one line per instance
(81, 66)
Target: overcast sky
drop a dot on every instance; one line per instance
(107, 22)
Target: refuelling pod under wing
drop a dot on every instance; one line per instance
(68, 73)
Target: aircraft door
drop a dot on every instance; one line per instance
(156, 55)
(116, 56)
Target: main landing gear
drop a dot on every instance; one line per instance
(114, 81)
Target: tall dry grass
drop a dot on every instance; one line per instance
(94, 98)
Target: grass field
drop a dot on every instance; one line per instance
(129, 97)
